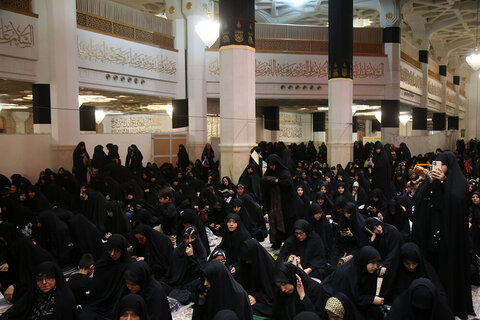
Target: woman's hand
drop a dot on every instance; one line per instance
(8, 294)
(300, 288)
(378, 301)
(252, 300)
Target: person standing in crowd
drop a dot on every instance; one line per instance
(440, 228)
(279, 200)
(81, 161)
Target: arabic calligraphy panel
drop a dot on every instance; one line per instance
(18, 34)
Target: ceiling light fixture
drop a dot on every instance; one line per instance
(298, 3)
(474, 58)
(208, 30)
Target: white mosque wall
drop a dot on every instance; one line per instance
(28, 154)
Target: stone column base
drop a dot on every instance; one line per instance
(419, 132)
(339, 152)
(61, 156)
(388, 134)
(195, 150)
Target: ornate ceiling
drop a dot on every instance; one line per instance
(449, 26)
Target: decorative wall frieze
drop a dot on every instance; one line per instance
(306, 69)
(102, 52)
(411, 78)
(113, 55)
(435, 89)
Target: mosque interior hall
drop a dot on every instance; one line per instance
(148, 76)
(166, 72)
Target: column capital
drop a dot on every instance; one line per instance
(173, 9)
(390, 15)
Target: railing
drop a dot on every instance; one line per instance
(405, 57)
(314, 46)
(114, 28)
(18, 6)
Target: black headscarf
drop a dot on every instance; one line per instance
(352, 279)
(85, 237)
(190, 218)
(287, 305)
(108, 277)
(131, 302)
(322, 227)
(398, 278)
(382, 171)
(54, 236)
(225, 315)
(225, 292)
(186, 268)
(397, 217)
(421, 301)
(158, 250)
(233, 240)
(255, 273)
(64, 306)
(151, 290)
(388, 243)
(23, 257)
(311, 250)
(450, 218)
(118, 222)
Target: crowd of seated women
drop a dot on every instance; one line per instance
(141, 239)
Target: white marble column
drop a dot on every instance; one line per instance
(20, 118)
(319, 137)
(340, 97)
(63, 72)
(237, 108)
(197, 98)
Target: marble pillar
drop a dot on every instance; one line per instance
(340, 81)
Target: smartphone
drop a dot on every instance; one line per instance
(436, 164)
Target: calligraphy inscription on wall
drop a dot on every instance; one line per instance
(101, 52)
(305, 69)
(16, 35)
(139, 124)
(290, 126)
(411, 78)
(434, 89)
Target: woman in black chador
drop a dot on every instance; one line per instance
(155, 247)
(220, 291)
(321, 226)
(51, 297)
(382, 171)
(411, 266)
(279, 200)
(357, 279)
(108, 279)
(440, 228)
(255, 274)
(421, 301)
(307, 247)
(139, 280)
(296, 292)
(234, 236)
